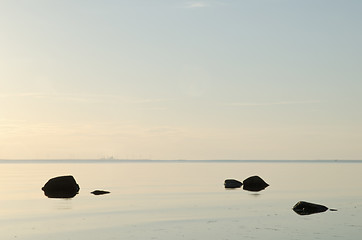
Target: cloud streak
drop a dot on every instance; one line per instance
(196, 5)
(250, 104)
(87, 98)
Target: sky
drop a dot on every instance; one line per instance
(174, 79)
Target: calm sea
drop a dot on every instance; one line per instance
(180, 200)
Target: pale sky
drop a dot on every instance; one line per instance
(167, 79)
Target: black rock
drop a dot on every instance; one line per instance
(254, 184)
(100, 192)
(61, 187)
(306, 208)
(232, 183)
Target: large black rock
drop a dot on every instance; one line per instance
(306, 208)
(254, 184)
(232, 183)
(61, 187)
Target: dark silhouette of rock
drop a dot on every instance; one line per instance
(232, 183)
(254, 184)
(100, 192)
(306, 208)
(61, 187)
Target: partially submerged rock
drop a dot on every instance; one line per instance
(61, 187)
(232, 183)
(100, 192)
(307, 208)
(254, 184)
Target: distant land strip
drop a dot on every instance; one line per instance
(111, 160)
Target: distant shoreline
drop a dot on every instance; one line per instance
(97, 161)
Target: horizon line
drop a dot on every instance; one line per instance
(114, 160)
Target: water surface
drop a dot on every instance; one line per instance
(181, 200)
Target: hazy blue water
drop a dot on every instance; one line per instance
(180, 200)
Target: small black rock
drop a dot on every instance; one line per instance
(232, 183)
(254, 184)
(307, 208)
(100, 192)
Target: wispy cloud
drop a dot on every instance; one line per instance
(9, 95)
(149, 100)
(63, 97)
(196, 5)
(246, 104)
(87, 98)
